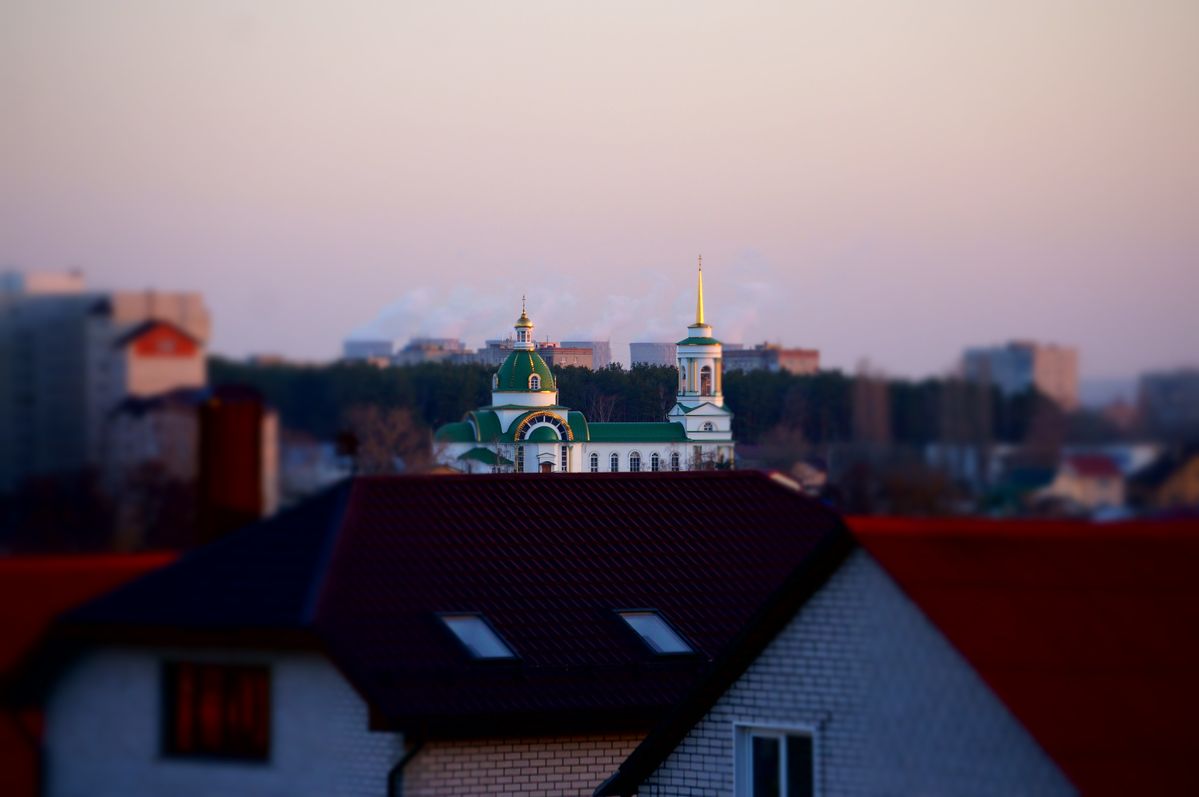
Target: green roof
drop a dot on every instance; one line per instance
(460, 432)
(698, 342)
(486, 456)
(667, 432)
(543, 434)
(579, 426)
(488, 425)
(518, 367)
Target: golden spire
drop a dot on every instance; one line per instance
(699, 299)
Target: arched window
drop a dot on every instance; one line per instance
(595, 463)
(654, 463)
(534, 382)
(674, 461)
(634, 462)
(682, 378)
(614, 463)
(705, 380)
(709, 427)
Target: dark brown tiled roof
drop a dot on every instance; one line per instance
(365, 569)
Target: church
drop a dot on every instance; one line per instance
(526, 430)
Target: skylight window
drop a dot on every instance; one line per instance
(477, 636)
(656, 632)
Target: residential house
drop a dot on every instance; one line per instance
(439, 635)
(953, 657)
(33, 591)
(1169, 483)
(1087, 482)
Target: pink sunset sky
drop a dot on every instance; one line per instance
(888, 180)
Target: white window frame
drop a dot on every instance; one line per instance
(743, 733)
(655, 462)
(594, 460)
(674, 461)
(534, 382)
(634, 458)
(614, 462)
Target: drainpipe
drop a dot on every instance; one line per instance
(395, 782)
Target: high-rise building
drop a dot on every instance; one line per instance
(376, 351)
(1170, 403)
(559, 355)
(652, 353)
(771, 357)
(430, 350)
(1020, 365)
(68, 356)
(601, 351)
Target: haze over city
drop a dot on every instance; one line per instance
(891, 181)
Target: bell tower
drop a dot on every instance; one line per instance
(700, 358)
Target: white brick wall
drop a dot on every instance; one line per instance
(544, 766)
(103, 733)
(897, 709)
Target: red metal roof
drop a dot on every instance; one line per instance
(1089, 633)
(33, 591)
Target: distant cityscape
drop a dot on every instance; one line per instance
(116, 384)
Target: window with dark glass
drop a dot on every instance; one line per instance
(216, 710)
(674, 461)
(655, 463)
(634, 462)
(774, 763)
(614, 463)
(595, 463)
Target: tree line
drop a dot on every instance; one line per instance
(827, 407)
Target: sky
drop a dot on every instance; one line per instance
(883, 181)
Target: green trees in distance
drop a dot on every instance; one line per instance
(817, 409)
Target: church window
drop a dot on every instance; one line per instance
(595, 463)
(709, 427)
(562, 459)
(682, 378)
(635, 462)
(520, 335)
(705, 380)
(654, 463)
(614, 463)
(534, 382)
(674, 461)
(520, 459)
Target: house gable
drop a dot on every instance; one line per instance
(893, 709)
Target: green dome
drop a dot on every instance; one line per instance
(515, 372)
(543, 434)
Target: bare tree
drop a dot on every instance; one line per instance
(387, 440)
